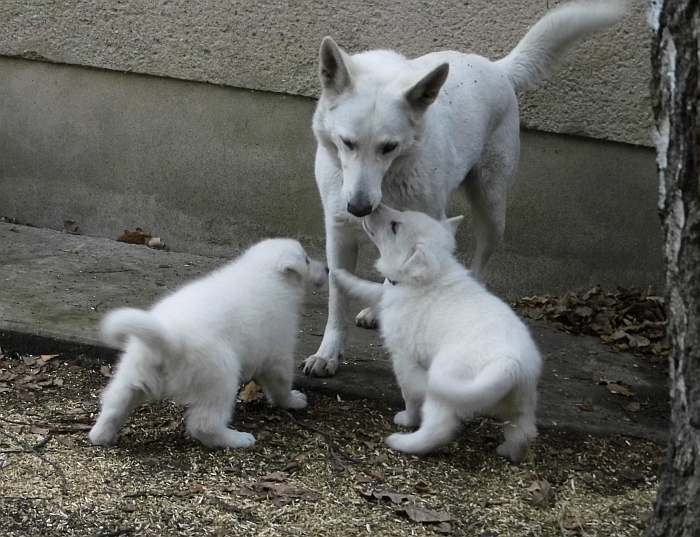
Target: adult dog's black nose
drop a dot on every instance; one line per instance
(359, 210)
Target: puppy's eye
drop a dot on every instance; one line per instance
(394, 227)
(306, 258)
(349, 143)
(388, 147)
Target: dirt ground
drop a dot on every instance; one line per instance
(321, 471)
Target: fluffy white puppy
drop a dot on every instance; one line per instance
(198, 344)
(457, 350)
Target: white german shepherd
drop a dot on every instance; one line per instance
(408, 132)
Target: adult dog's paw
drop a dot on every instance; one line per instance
(368, 319)
(320, 366)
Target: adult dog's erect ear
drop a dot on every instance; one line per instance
(426, 90)
(334, 72)
(420, 266)
(451, 224)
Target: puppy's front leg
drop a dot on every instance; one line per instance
(357, 287)
(276, 382)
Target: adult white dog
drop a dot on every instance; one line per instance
(457, 350)
(195, 346)
(409, 132)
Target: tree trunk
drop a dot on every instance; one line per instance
(674, 91)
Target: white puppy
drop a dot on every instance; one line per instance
(195, 346)
(457, 350)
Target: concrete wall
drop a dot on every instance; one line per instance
(210, 169)
(272, 45)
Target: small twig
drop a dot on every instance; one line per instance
(35, 451)
(116, 533)
(333, 448)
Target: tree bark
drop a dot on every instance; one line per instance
(674, 90)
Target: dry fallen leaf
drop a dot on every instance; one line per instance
(251, 392)
(584, 407)
(397, 498)
(540, 492)
(279, 493)
(106, 371)
(634, 406)
(137, 236)
(619, 389)
(423, 515)
(71, 226)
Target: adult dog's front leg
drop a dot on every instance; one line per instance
(341, 253)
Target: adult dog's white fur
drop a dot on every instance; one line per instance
(195, 346)
(457, 350)
(408, 132)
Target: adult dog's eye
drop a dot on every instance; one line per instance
(389, 147)
(349, 143)
(394, 227)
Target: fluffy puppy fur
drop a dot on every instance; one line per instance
(198, 344)
(457, 350)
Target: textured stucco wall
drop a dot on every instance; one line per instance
(272, 45)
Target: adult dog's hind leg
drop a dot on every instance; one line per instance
(486, 187)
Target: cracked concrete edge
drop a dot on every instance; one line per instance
(348, 384)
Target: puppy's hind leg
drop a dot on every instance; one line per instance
(209, 414)
(276, 382)
(119, 400)
(439, 425)
(519, 431)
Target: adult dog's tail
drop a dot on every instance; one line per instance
(121, 323)
(548, 40)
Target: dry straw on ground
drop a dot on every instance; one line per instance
(323, 471)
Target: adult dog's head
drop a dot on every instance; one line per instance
(370, 114)
(413, 247)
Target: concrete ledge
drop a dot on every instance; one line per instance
(212, 169)
(55, 287)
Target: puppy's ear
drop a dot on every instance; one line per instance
(333, 69)
(293, 263)
(420, 265)
(426, 90)
(451, 224)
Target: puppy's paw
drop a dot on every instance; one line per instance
(296, 400)
(102, 435)
(514, 452)
(367, 318)
(404, 419)
(399, 442)
(319, 366)
(237, 439)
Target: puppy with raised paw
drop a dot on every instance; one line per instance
(457, 350)
(196, 345)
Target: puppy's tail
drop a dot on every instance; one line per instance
(489, 387)
(121, 323)
(529, 63)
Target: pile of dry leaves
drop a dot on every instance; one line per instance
(632, 320)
